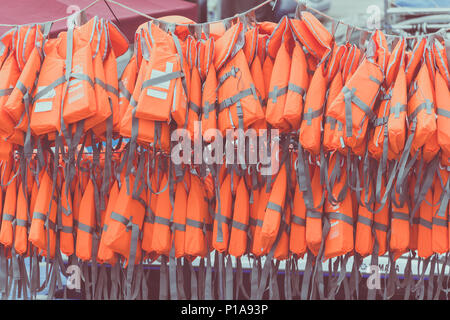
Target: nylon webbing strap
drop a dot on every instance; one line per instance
(277, 92)
(312, 114)
(234, 99)
(164, 78)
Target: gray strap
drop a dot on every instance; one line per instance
(428, 105)
(232, 73)
(239, 225)
(295, 88)
(85, 228)
(440, 222)
(234, 99)
(50, 87)
(164, 78)
(161, 220)
(365, 220)
(207, 108)
(298, 220)
(380, 226)
(341, 217)
(310, 115)
(443, 112)
(400, 215)
(119, 218)
(8, 217)
(397, 109)
(194, 107)
(6, 92)
(105, 86)
(163, 280)
(313, 214)
(255, 222)
(124, 91)
(274, 206)
(277, 92)
(425, 223)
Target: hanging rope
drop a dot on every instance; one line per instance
(262, 4)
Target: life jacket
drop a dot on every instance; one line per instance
(162, 86)
(126, 85)
(87, 222)
(198, 221)
(421, 113)
(140, 130)
(66, 238)
(39, 227)
(239, 106)
(413, 60)
(105, 254)
(339, 240)
(439, 229)
(314, 215)
(158, 176)
(364, 236)
(240, 223)
(9, 214)
(442, 94)
(312, 34)
(161, 241)
(297, 86)
(399, 225)
(223, 216)
(21, 245)
(297, 241)
(424, 244)
(354, 105)
(179, 216)
(274, 210)
(279, 80)
(125, 224)
(209, 86)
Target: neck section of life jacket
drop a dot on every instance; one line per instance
(239, 106)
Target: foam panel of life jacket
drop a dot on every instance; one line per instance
(15, 106)
(79, 102)
(156, 101)
(314, 217)
(9, 214)
(161, 237)
(363, 236)
(105, 254)
(299, 81)
(126, 86)
(149, 223)
(118, 234)
(66, 239)
(439, 231)
(297, 240)
(223, 215)
(274, 210)
(400, 229)
(339, 240)
(179, 217)
(232, 86)
(421, 104)
(86, 224)
(38, 232)
(278, 89)
(333, 129)
(310, 128)
(209, 96)
(239, 225)
(282, 247)
(442, 93)
(424, 245)
(9, 74)
(197, 220)
(397, 115)
(21, 229)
